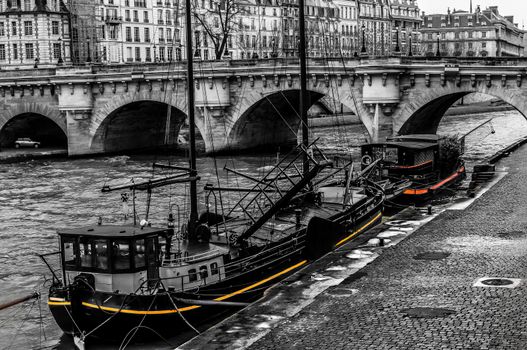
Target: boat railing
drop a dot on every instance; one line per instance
(234, 269)
(178, 258)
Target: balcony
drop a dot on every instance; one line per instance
(113, 20)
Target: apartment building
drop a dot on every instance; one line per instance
(33, 33)
(472, 33)
(406, 24)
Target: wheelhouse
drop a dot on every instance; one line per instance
(115, 258)
(403, 157)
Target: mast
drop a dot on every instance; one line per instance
(303, 85)
(192, 133)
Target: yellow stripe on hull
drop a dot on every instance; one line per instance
(187, 308)
(359, 230)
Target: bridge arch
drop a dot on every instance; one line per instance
(427, 107)
(269, 120)
(137, 122)
(38, 121)
(272, 117)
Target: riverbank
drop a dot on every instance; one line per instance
(12, 155)
(426, 292)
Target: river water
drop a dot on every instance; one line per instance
(37, 197)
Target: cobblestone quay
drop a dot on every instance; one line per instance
(488, 239)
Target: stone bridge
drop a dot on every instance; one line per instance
(240, 104)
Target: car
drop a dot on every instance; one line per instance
(26, 142)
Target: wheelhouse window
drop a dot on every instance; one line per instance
(68, 247)
(139, 256)
(192, 275)
(101, 254)
(214, 269)
(85, 252)
(121, 255)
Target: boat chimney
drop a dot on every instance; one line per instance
(298, 214)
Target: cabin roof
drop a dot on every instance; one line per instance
(109, 231)
(405, 144)
(416, 137)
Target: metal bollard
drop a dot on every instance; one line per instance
(429, 209)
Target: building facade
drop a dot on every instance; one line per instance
(406, 24)
(34, 33)
(376, 27)
(472, 33)
(123, 31)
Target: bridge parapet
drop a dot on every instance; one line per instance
(384, 92)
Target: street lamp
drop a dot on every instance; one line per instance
(60, 61)
(397, 48)
(363, 48)
(438, 53)
(88, 59)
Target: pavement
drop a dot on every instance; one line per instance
(422, 291)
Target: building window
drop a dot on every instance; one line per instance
(484, 45)
(483, 34)
(2, 52)
(29, 52)
(138, 54)
(55, 28)
(128, 34)
(2, 29)
(56, 50)
(15, 51)
(113, 32)
(13, 28)
(137, 37)
(148, 55)
(147, 35)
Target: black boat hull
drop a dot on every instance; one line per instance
(112, 316)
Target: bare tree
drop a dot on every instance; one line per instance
(220, 20)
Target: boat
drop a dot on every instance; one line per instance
(129, 282)
(119, 282)
(416, 159)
